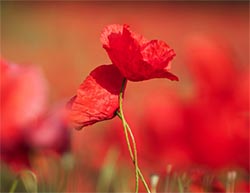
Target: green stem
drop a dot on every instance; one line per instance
(139, 171)
(143, 180)
(13, 186)
(133, 154)
(134, 158)
(180, 185)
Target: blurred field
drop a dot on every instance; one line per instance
(62, 38)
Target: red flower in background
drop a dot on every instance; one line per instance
(217, 115)
(97, 97)
(24, 125)
(211, 63)
(163, 134)
(49, 132)
(137, 58)
(23, 98)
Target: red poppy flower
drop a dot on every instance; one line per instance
(24, 126)
(23, 98)
(218, 127)
(137, 58)
(97, 97)
(211, 63)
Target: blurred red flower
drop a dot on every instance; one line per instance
(242, 185)
(200, 183)
(97, 97)
(23, 119)
(137, 58)
(163, 132)
(211, 63)
(23, 98)
(49, 132)
(217, 114)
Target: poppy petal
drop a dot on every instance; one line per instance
(97, 97)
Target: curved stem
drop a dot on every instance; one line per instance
(133, 154)
(139, 171)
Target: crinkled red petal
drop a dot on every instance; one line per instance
(97, 97)
(137, 58)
